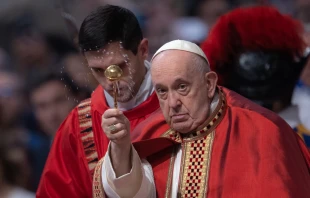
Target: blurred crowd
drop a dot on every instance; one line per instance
(43, 76)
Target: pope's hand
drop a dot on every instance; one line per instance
(116, 127)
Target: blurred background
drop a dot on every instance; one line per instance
(43, 76)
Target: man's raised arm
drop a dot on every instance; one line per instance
(123, 173)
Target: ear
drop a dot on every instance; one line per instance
(143, 49)
(211, 79)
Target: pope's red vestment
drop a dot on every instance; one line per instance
(244, 151)
(78, 146)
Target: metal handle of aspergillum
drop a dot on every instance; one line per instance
(114, 73)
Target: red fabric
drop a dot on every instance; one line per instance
(66, 172)
(255, 28)
(254, 154)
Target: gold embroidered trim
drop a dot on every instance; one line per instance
(170, 172)
(171, 134)
(98, 191)
(87, 134)
(209, 161)
(196, 163)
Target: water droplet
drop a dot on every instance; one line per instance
(72, 80)
(98, 51)
(112, 52)
(68, 98)
(84, 50)
(65, 85)
(77, 88)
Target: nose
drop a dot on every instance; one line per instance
(173, 100)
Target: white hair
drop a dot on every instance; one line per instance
(200, 65)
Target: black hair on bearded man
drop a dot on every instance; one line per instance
(257, 52)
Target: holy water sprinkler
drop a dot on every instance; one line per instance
(114, 73)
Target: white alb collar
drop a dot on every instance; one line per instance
(145, 91)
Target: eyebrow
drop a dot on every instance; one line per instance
(179, 79)
(176, 81)
(158, 85)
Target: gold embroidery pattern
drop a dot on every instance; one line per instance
(98, 191)
(171, 134)
(196, 154)
(170, 173)
(195, 163)
(87, 134)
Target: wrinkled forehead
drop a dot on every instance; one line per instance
(170, 65)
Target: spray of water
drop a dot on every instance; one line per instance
(129, 80)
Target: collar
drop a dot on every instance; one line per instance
(145, 91)
(218, 107)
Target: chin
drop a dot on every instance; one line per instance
(124, 98)
(182, 128)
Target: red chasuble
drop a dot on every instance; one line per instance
(244, 151)
(74, 154)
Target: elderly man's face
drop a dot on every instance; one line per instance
(184, 93)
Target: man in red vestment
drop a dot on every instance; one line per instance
(111, 35)
(216, 143)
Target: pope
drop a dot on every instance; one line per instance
(207, 141)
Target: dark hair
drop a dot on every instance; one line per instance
(110, 23)
(44, 78)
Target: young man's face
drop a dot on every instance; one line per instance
(132, 66)
(52, 102)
